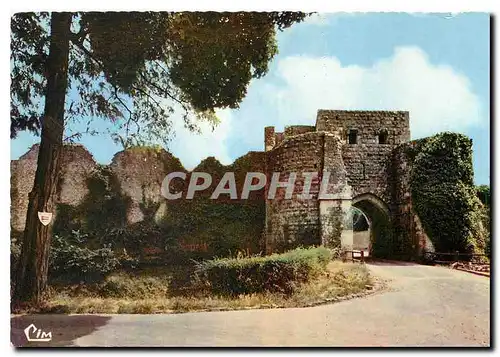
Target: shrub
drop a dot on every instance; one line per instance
(280, 273)
(132, 286)
(136, 236)
(69, 262)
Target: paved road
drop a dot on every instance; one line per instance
(424, 306)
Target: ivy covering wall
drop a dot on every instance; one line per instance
(224, 227)
(171, 228)
(103, 208)
(443, 192)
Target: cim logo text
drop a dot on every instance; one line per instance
(34, 334)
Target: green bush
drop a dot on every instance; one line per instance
(280, 273)
(135, 237)
(70, 262)
(122, 286)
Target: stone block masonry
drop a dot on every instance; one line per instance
(356, 148)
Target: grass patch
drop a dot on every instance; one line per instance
(158, 290)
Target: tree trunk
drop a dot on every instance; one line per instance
(31, 277)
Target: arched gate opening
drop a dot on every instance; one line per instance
(372, 231)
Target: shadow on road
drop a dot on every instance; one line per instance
(64, 328)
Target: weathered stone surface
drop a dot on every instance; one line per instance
(77, 165)
(290, 222)
(367, 162)
(21, 183)
(364, 170)
(140, 172)
(406, 221)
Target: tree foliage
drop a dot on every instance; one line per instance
(133, 68)
(137, 68)
(484, 194)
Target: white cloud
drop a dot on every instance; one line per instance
(191, 147)
(326, 18)
(437, 97)
(318, 19)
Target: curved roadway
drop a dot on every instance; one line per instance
(423, 306)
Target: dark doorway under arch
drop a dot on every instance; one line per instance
(372, 229)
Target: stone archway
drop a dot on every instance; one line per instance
(361, 229)
(374, 235)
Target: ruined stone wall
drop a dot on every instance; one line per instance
(297, 130)
(136, 178)
(273, 139)
(21, 183)
(368, 123)
(77, 164)
(336, 230)
(253, 161)
(140, 172)
(223, 224)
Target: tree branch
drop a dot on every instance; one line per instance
(166, 92)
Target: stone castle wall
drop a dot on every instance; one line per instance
(406, 221)
(369, 174)
(77, 165)
(291, 222)
(138, 173)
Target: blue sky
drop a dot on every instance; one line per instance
(434, 65)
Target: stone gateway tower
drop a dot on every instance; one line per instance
(360, 152)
